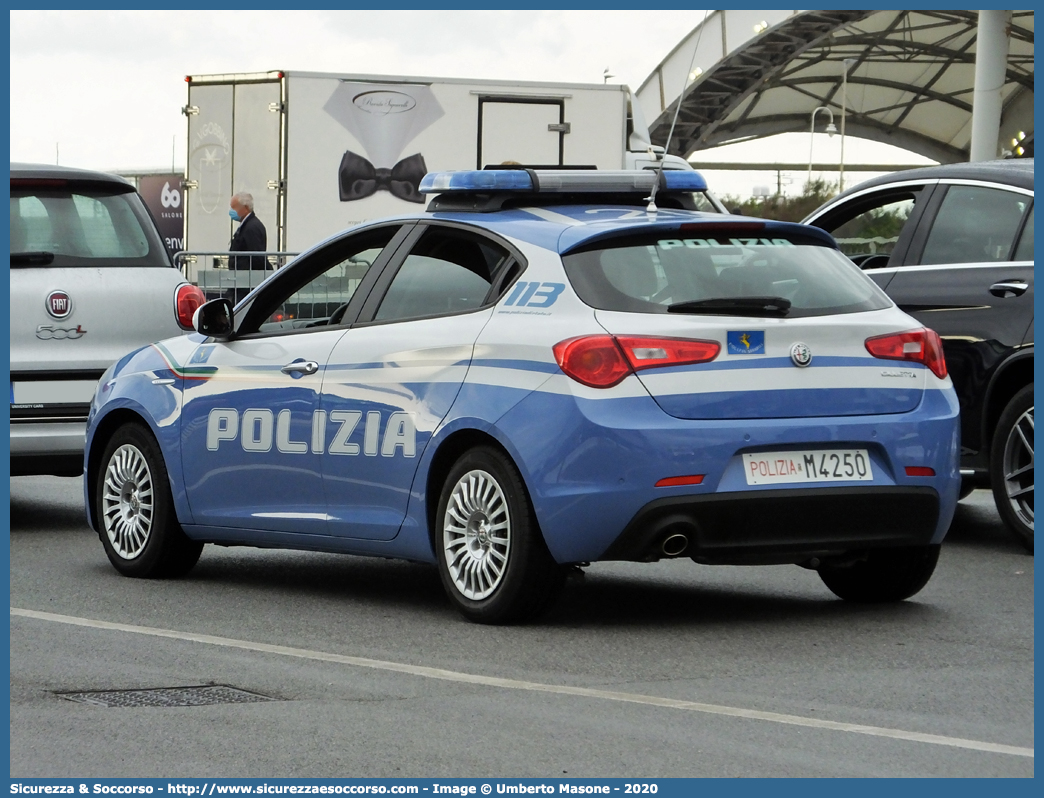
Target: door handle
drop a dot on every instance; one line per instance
(300, 367)
(1009, 288)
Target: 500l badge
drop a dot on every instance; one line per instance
(48, 332)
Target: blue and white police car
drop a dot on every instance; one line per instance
(542, 370)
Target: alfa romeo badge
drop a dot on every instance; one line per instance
(800, 354)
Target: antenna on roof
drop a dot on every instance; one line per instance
(690, 75)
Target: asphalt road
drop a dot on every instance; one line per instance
(662, 670)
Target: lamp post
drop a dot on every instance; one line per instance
(845, 66)
(830, 129)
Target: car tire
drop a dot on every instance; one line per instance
(135, 509)
(885, 575)
(494, 564)
(1011, 465)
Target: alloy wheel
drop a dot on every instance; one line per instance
(477, 535)
(127, 501)
(1018, 467)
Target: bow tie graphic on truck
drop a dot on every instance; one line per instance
(358, 178)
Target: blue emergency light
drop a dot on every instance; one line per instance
(473, 180)
(554, 181)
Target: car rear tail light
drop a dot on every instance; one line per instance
(647, 353)
(921, 346)
(602, 361)
(593, 360)
(920, 471)
(187, 300)
(672, 482)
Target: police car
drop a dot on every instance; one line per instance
(544, 369)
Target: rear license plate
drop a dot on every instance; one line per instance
(816, 465)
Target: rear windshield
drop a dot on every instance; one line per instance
(71, 226)
(720, 275)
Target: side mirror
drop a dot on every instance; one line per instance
(214, 318)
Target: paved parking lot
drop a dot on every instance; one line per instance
(657, 670)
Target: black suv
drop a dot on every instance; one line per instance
(952, 245)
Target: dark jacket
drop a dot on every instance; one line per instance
(250, 237)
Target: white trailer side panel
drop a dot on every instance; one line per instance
(502, 121)
(354, 143)
(599, 126)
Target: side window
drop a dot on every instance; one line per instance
(315, 292)
(975, 225)
(317, 301)
(447, 271)
(875, 230)
(1024, 251)
(703, 202)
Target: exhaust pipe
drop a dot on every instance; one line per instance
(675, 544)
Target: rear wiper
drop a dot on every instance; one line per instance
(31, 258)
(735, 306)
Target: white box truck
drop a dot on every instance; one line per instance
(322, 152)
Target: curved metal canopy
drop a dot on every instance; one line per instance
(910, 79)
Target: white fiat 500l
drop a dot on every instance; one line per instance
(90, 281)
(544, 369)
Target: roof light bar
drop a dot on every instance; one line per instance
(548, 181)
(474, 180)
(684, 180)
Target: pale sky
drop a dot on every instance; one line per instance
(104, 89)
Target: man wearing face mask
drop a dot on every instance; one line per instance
(251, 235)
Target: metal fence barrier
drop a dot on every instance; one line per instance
(211, 272)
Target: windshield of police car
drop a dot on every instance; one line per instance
(720, 273)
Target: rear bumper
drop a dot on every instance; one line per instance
(47, 447)
(592, 466)
(778, 526)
